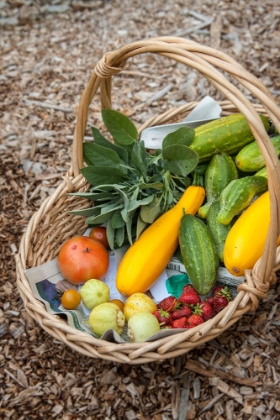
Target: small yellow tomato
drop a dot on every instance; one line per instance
(117, 302)
(71, 299)
(138, 302)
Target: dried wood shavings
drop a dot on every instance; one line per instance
(48, 51)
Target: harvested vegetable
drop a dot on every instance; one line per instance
(94, 292)
(142, 326)
(106, 316)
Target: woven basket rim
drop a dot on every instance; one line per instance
(258, 280)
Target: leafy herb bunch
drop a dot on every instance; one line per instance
(132, 187)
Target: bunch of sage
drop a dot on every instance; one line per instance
(131, 187)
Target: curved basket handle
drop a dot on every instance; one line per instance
(206, 61)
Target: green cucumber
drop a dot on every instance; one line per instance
(250, 158)
(219, 232)
(219, 173)
(198, 253)
(227, 134)
(238, 195)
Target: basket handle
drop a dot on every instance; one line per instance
(206, 61)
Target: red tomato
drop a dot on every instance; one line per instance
(81, 258)
(98, 233)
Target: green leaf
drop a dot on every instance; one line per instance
(100, 156)
(153, 185)
(120, 236)
(150, 212)
(139, 158)
(140, 227)
(97, 175)
(179, 159)
(102, 141)
(117, 220)
(129, 227)
(134, 204)
(85, 212)
(110, 233)
(99, 219)
(183, 135)
(120, 127)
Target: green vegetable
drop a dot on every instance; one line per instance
(198, 253)
(220, 172)
(227, 134)
(238, 195)
(142, 326)
(104, 317)
(130, 187)
(218, 231)
(250, 158)
(94, 292)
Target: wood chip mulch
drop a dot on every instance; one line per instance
(48, 50)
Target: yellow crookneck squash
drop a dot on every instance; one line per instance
(245, 242)
(146, 259)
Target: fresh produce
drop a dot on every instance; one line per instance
(70, 299)
(131, 187)
(189, 296)
(185, 310)
(246, 240)
(141, 326)
(94, 292)
(198, 253)
(169, 304)
(81, 258)
(250, 158)
(164, 317)
(219, 173)
(218, 231)
(227, 134)
(138, 269)
(98, 233)
(117, 302)
(238, 195)
(106, 316)
(180, 322)
(205, 310)
(138, 302)
(194, 320)
(220, 299)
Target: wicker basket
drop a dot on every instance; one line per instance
(52, 224)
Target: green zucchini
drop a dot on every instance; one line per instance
(219, 173)
(218, 231)
(227, 134)
(198, 253)
(250, 158)
(237, 196)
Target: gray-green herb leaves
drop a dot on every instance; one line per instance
(131, 188)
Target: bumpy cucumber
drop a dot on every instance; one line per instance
(218, 231)
(219, 173)
(198, 253)
(227, 134)
(238, 195)
(250, 158)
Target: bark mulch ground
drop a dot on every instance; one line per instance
(48, 50)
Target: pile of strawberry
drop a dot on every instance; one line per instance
(189, 310)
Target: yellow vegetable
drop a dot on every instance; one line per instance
(146, 259)
(245, 242)
(138, 302)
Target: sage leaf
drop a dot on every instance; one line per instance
(183, 135)
(100, 156)
(102, 141)
(140, 227)
(119, 236)
(138, 158)
(117, 220)
(153, 185)
(100, 219)
(180, 159)
(120, 127)
(151, 211)
(97, 175)
(110, 233)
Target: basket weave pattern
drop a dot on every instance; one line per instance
(51, 225)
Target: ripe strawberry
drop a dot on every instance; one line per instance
(189, 297)
(206, 310)
(220, 302)
(210, 300)
(184, 311)
(221, 298)
(187, 287)
(179, 323)
(194, 320)
(217, 289)
(168, 304)
(163, 317)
